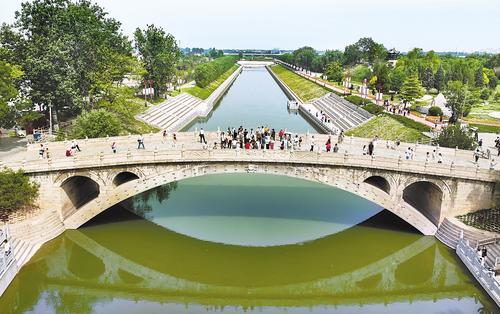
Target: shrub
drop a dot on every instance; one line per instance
(411, 123)
(16, 191)
(374, 109)
(96, 123)
(433, 91)
(358, 101)
(206, 73)
(455, 136)
(485, 94)
(435, 111)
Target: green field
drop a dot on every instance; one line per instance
(481, 111)
(483, 128)
(305, 89)
(387, 128)
(204, 93)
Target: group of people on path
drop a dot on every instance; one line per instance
(260, 138)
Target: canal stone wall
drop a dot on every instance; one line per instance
(288, 92)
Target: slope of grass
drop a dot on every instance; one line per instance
(483, 128)
(204, 93)
(305, 89)
(387, 128)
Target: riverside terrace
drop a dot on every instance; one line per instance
(422, 193)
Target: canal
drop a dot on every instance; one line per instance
(253, 100)
(252, 243)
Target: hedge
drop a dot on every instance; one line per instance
(373, 109)
(358, 101)
(411, 123)
(206, 73)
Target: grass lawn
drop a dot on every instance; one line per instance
(204, 93)
(129, 123)
(483, 128)
(387, 128)
(305, 89)
(482, 111)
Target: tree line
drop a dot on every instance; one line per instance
(413, 74)
(206, 73)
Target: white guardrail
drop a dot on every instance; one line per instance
(475, 264)
(5, 258)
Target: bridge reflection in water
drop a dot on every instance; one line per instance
(89, 270)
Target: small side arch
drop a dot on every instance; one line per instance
(79, 190)
(379, 182)
(124, 177)
(426, 197)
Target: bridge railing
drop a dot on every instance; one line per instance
(6, 258)
(261, 156)
(485, 277)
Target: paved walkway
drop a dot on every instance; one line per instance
(190, 140)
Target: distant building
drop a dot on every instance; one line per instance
(392, 56)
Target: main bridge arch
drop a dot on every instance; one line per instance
(380, 187)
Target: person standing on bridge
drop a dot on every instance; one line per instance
(202, 136)
(113, 147)
(41, 151)
(370, 148)
(74, 144)
(312, 144)
(140, 142)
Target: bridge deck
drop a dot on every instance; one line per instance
(97, 152)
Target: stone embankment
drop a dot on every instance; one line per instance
(26, 237)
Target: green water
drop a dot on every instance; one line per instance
(253, 100)
(120, 263)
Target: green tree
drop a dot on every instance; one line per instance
(479, 78)
(8, 92)
(16, 191)
(304, 57)
(456, 136)
(457, 99)
(428, 78)
(334, 71)
(96, 123)
(352, 55)
(396, 78)
(381, 71)
(68, 50)
(160, 55)
(439, 79)
(411, 89)
(240, 55)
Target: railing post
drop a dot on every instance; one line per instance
(129, 154)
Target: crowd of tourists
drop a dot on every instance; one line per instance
(264, 137)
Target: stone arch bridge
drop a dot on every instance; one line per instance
(79, 188)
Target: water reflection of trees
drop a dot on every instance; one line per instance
(142, 204)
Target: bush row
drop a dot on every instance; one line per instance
(358, 101)
(411, 123)
(206, 73)
(374, 109)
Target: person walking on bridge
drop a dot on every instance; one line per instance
(140, 142)
(202, 136)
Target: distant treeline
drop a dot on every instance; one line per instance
(206, 73)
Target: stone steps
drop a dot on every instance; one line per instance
(342, 114)
(28, 237)
(167, 115)
(449, 234)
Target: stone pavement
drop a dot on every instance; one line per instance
(190, 140)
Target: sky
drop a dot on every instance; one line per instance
(440, 25)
